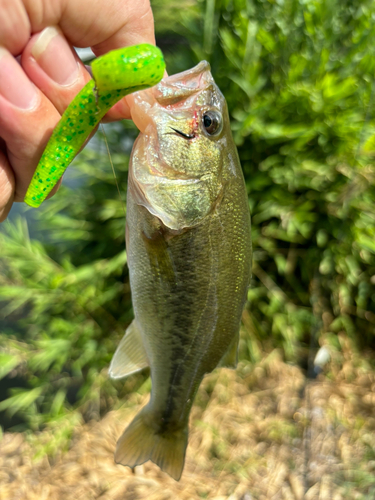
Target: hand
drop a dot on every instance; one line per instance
(37, 87)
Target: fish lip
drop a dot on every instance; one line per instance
(185, 136)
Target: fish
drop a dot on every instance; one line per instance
(188, 240)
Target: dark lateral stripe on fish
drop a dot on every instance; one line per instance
(185, 303)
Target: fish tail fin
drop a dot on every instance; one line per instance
(141, 442)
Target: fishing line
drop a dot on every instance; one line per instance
(113, 168)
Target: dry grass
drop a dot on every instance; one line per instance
(257, 433)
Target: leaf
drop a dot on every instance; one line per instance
(50, 351)
(20, 401)
(7, 363)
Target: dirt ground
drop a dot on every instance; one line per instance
(261, 432)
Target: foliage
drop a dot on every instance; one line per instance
(298, 78)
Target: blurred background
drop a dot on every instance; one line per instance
(298, 76)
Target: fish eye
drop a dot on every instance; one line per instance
(212, 122)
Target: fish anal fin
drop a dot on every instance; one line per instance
(141, 442)
(130, 356)
(230, 358)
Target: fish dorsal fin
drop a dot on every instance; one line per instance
(230, 358)
(130, 356)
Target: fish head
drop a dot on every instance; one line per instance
(176, 169)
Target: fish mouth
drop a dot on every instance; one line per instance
(185, 136)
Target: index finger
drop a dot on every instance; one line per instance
(103, 25)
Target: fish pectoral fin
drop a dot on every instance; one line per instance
(130, 356)
(230, 358)
(141, 442)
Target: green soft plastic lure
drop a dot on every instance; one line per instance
(116, 74)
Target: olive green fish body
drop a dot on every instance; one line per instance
(188, 292)
(189, 256)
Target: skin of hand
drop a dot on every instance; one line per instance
(40, 72)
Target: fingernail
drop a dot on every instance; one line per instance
(15, 87)
(54, 55)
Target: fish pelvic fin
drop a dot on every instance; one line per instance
(130, 356)
(141, 442)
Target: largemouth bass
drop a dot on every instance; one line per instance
(189, 256)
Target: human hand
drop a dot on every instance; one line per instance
(35, 93)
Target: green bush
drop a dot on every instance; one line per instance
(298, 78)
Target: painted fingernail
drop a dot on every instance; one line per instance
(54, 55)
(15, 87)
